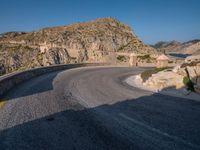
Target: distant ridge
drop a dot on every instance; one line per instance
(190, 47)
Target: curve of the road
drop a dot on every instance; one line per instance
(93, 108)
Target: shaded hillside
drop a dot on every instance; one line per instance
(191, 47)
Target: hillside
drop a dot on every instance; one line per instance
(93, 41)
(190, 47)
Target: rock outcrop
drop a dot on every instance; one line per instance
(165, 79)
(175, 78)
(94, 41)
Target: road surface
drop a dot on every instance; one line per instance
(93, 108)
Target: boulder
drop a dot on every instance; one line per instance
(174, 78)
(165, 79)
(192, 58)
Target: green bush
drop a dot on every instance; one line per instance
(122, 47)
(188, 83)
(161, 69)
(121, 58)
(148, 73)
(144, 57)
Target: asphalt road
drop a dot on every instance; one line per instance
(93, 108)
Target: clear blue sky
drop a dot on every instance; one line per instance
(152, 20)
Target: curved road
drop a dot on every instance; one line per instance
(93, 108)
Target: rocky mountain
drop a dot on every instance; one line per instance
(190, 47)
(93, 41)
(163, 44)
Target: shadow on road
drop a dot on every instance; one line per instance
(44, 83)
(149, 122)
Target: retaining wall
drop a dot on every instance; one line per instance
(9, 81)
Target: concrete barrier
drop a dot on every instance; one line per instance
(9, 81)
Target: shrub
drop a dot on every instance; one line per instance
(188, 83)
(144, 57)
(148, 73)
(121, 58)
(122, 47)
(161, 69)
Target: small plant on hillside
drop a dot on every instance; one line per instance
(161, 69)
(144, 57)
(122, 47)
(188, 83)
(148, 73)
(121, 58)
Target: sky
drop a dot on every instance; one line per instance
(151, 20)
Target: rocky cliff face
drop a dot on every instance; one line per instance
(94, 41)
